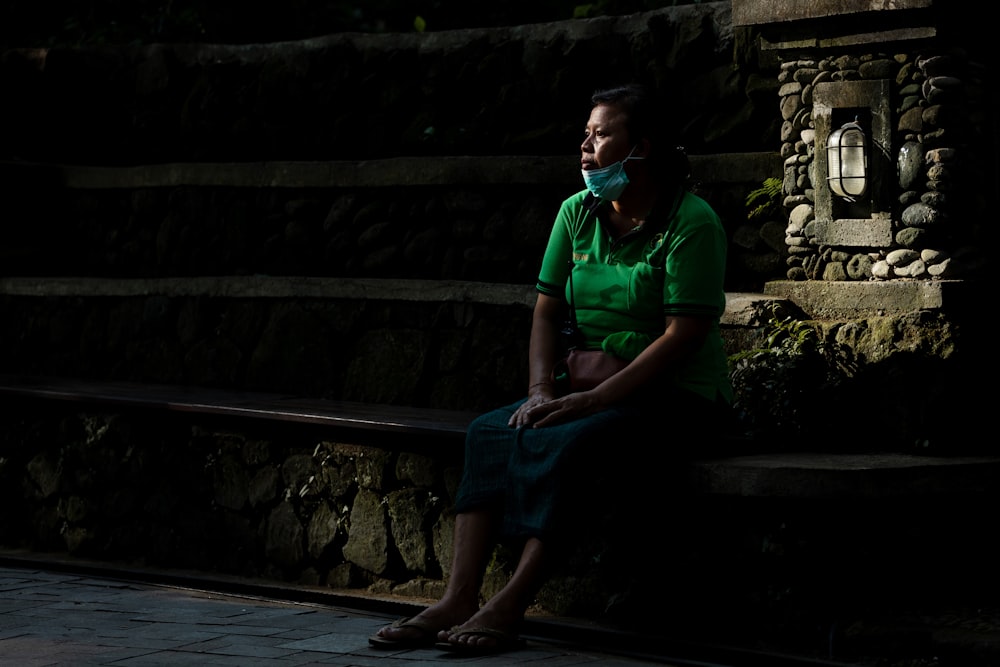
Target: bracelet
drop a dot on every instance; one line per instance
(539, 384)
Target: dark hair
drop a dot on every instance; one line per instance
(647, 118)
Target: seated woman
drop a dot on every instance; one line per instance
(641, 260)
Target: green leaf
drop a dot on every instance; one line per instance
(765, 199)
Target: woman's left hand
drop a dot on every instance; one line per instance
(564, 409)
(522, 416)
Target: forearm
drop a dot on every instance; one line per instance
(681, 337)
(543, 347)
(542, 350)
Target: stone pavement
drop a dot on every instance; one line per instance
(49, 617)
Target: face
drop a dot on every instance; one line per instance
(606, 139)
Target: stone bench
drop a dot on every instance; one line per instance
(752, 472)
(273, 407)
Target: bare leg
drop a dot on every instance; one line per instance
(505, 610)
(473, 541)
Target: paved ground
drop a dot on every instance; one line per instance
(54, 616)
(58, 618)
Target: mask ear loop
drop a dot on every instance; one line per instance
(633, 156)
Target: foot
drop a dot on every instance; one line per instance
(480, 641)
(405, 633)
(487, 629)
(419, 630)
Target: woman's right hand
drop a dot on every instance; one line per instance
(537, 395)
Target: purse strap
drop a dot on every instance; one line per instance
(570, 331)
(572, 303)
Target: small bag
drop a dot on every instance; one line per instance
(581, 370)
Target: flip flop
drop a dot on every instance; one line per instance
(505, 641)
(426, 636)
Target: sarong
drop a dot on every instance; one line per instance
(533, 476)
(536, 477)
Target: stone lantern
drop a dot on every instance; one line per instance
(907, 78)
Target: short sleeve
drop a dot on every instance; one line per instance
(558, 255)
(695, 263)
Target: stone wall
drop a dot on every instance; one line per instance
(348, 160)
(453, 355)
(288, 503)
(521, 90)
(356, 155)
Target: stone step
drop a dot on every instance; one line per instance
(848, 476)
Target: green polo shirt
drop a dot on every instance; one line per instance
(622, 289)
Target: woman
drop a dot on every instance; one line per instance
(641, 261)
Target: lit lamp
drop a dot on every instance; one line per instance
(847, 162)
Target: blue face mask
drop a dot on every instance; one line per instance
(608, 182)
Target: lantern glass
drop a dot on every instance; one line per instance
(847, 162)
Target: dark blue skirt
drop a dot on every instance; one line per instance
(536, 478)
